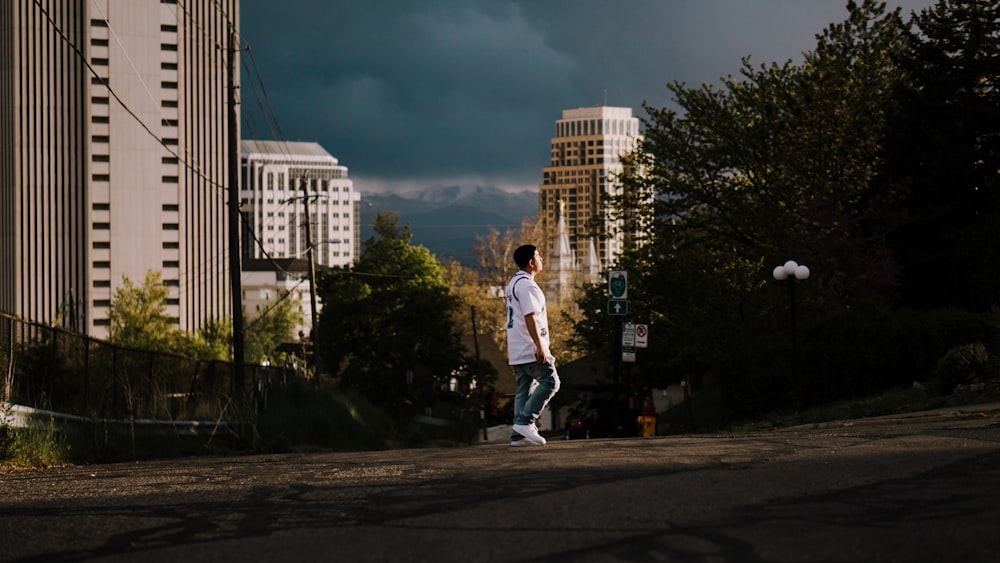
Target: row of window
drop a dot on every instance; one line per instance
(107, 207)
(292, 215)
(107, 178)
(104, 284)
(170, 28)
(272, 201)
(106, 264)
(580, 127)
(589, 173)
(107, 302)
(107, 226)
(106, 245)
(332, 228)
(107, 322)
(558, 177)
(321, 184)
(580, 161)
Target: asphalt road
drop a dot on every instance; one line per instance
(922, 487)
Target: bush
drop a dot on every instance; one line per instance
(862, 351)
(961, 364)
(304, 414)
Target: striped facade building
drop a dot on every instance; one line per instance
(279, 179)
(114, 158)
(285, 185)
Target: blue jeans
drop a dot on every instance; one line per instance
(536, 384)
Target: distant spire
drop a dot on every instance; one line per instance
(562, 260)
(593, 264)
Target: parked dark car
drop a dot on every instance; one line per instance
(595, 418)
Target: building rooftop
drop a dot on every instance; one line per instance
(283, 148)
(597, 111)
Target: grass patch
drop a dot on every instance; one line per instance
(299, 416)
(893, 401)
(38, 445)
(705, 411)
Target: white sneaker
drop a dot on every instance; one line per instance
(523, 442)
(530, 433)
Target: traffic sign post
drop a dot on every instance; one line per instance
(618, 284)
(628, 335)
(617, 292)
(617, 307)
(628, 342)
(641, 336)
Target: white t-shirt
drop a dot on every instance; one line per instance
(524, 297)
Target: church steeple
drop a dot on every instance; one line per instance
(562, 258)
(593, 265)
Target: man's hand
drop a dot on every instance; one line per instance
(545, 358)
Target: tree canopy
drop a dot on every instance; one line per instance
(139, 321)
(832, 162)
(138, 314)
(945, 147)
(386, 325)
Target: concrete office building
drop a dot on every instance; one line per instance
(114, 156)
(586, 158)
(280, 179)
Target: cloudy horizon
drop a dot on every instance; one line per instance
(466, 92)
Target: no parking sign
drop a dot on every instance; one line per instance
(641, 336)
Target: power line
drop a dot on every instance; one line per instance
(277, 302)
(121, 102)
(253, 61)
(257, 96)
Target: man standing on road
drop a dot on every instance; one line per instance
(528, 347)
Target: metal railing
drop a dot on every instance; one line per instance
(52, 369)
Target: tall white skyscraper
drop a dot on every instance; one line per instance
(279, 180)
(114, 158)
(586, 158)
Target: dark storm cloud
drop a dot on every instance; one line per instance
(452, 91)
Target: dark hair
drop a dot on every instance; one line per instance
(524, 254)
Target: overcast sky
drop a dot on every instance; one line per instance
(409, 94)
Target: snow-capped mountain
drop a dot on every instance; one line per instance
(446, 219)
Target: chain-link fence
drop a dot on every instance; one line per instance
(56, 370)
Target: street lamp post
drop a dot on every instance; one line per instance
(791, 272)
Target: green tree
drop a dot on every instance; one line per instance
(216, 339)
(495, 251)
(387, 316)
(946, 147)
(138, 315)
(271, 327)
(778, 163)
(139, 321)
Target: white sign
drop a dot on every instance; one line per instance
(628, 356)
(628, 335)
(641, 336)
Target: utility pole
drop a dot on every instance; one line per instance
(235, 265)
(314, 334)
(479, 376)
